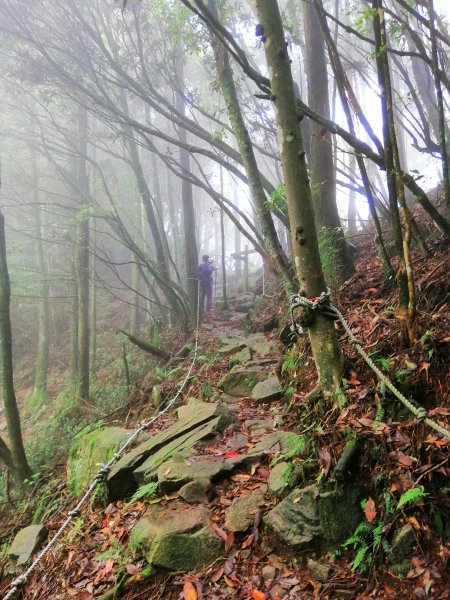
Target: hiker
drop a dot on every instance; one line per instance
(205, 275)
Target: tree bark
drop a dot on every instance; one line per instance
(322, 333)
(19, 459)
(321, 163)
(225, 77)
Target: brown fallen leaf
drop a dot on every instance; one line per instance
(229, 541)
(189, 591)
(370, 510)
(218, 573)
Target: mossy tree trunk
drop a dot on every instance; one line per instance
(327, 354)
(19, 459)
(405, 280)
(321, 162)
(264, 217)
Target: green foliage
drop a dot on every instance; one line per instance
(379, 416)
(412, 495)
(297, 445)
(168, 373)
(428, 342)
(277, 199)
(144, 491)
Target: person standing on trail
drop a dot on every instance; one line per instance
(205, 275)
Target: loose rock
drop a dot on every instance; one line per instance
(25, 544)
(241, 514)
(268, 390)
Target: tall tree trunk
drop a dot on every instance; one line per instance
(264, 217)
(42, 356)
(389, 151)
(19, 458)
(223, 248)
(321, 163)
(93, 307)
(322, 333)
(345, 88)
(187, 201)
(440, 106)
(82, 260)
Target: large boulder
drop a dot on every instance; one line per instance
(89, 452)
(240, 382)
(175, 539)
(25, 544)
(197, 421)
(314, 519)
(267, 390)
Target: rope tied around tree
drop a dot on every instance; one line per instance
(303, 313)
(104, 470)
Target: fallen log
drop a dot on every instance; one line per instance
(154, 350)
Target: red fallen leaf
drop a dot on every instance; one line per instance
(106, 523)
(353, 382)
(231, 454)
(229, 542)
(363, 393)
(370, 511)
(247, 542)
(325, 460)
(257, 595)
(189, 591)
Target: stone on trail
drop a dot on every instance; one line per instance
(319, 572)
(242, 357)
(286, 441)
(25, 544)
(240, 382)
(175, 539)
(278, 478)
(258, 426)
(311, 518)
(89, 452)
(241, 514)
(267, 390)
(197, 422)
(403, 544)
(200, 490)
(178, 471)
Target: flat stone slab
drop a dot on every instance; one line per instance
(25, 544)
(267, 390)
(177, 538)
(198, 421)
(175, 473)
(240, 382)
(241, 514)
(259, 426)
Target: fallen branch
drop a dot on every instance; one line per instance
(146, 346)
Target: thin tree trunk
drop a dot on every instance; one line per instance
(82, 262)
(440, 106)
(264, 217)
(190, 238)
(389, 152)
(322, 333)
(42, 356)
(223, 248)
(93, 307)
(19, 458)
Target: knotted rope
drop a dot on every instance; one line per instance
(323, 305)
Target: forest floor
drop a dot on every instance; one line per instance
(396, 454)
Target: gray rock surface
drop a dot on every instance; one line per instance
(197, 421)
(240, 382)
(176, 472)
(267, 390)
(311, 518)
(319, 571)
(241, 514)
(25, 544)
(174, 538)
(200, 490)
(279, 477)
(403, 543)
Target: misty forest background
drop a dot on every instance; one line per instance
(137, 136)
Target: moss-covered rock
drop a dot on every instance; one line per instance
(175, 539)
(313, 518)
(241, 514)
(89, 452)
(240, 382)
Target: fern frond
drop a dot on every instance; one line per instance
(411, 495)
(359, 557)
(143, 491)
